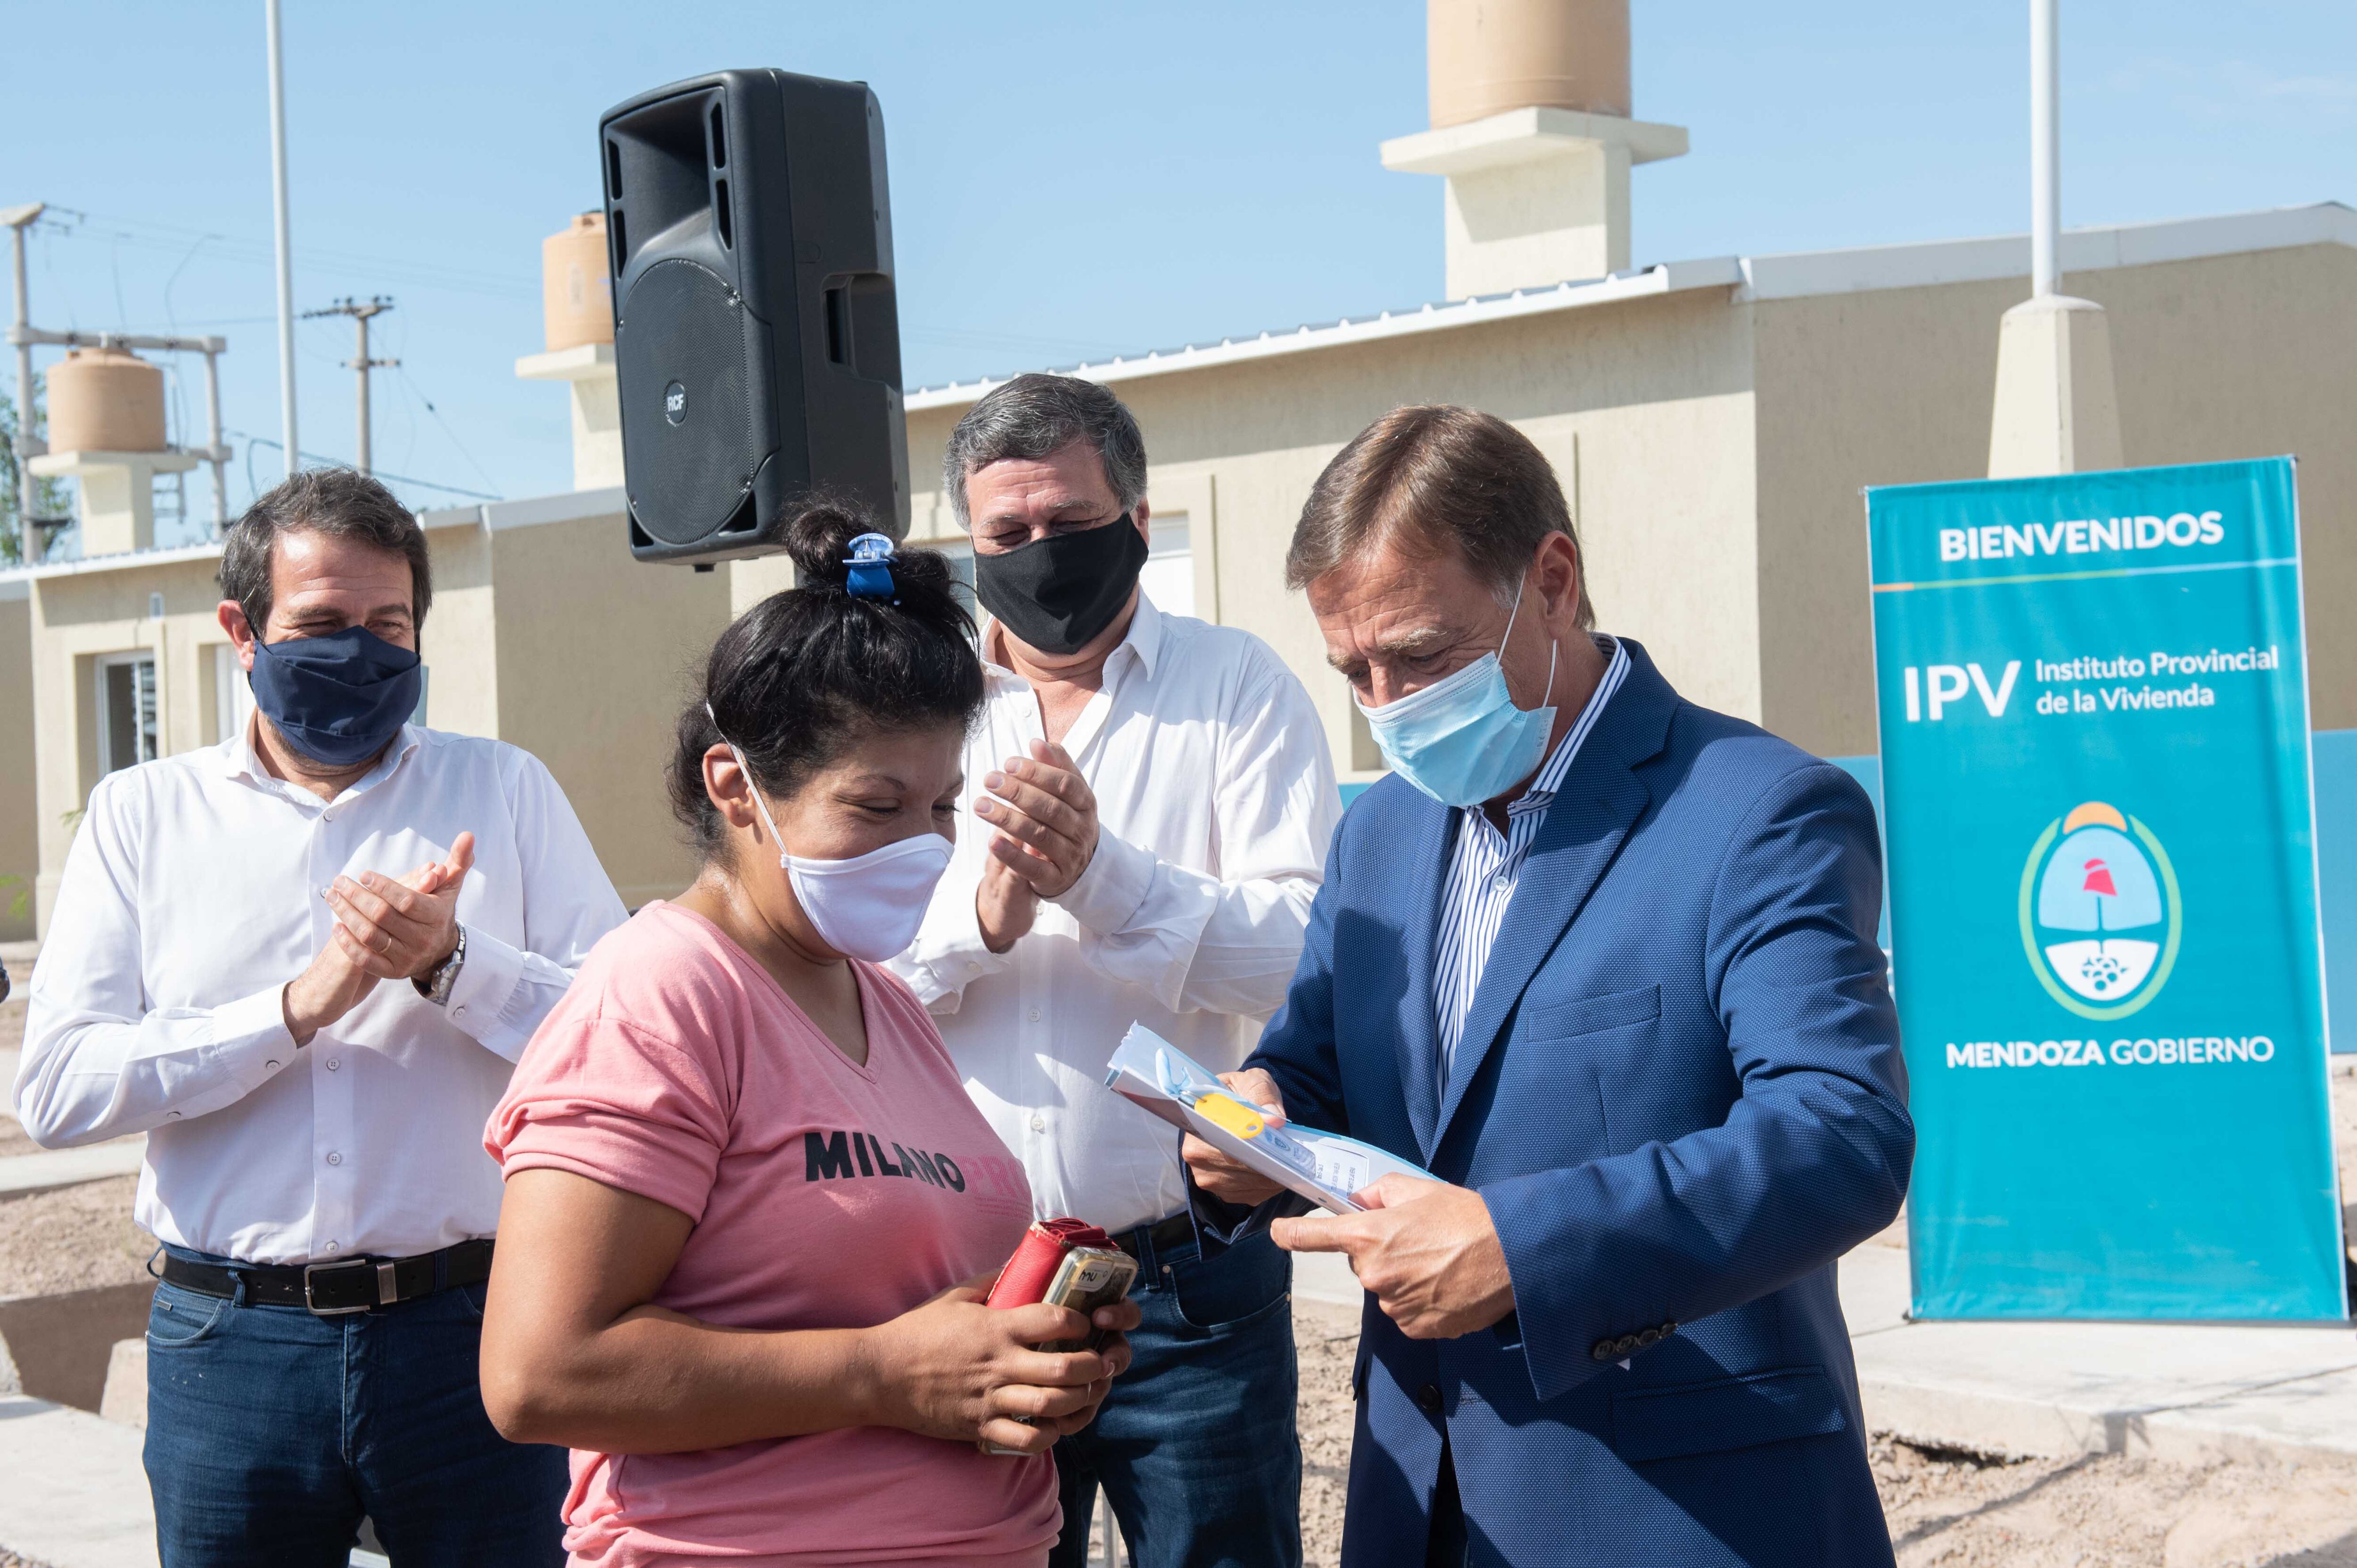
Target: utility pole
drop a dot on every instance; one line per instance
(377, 306)
(284, 246)
(2057, 409)
(29, 539)
(2045, 150)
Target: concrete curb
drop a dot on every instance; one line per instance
(2190, 1393)
(69, 1167)
(59, 1346)
(125, 1402)
(76, 1493)
(2196, 1434)
(1327, 1277)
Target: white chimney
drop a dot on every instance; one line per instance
(1531, 127)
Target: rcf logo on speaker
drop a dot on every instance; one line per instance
(674, 402)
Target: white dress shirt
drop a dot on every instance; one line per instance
(1487, 864)
(192, 896)
(1215, 801)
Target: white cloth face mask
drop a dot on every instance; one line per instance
(870, 906)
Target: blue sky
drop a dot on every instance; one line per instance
(1069, 180)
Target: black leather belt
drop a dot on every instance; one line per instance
(330, 1289)
(1159, 1237)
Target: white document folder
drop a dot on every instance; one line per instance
(1324, 1167)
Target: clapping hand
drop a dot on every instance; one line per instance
(398, 930)
(347, 969)
(1046, 815)
(1003, 906)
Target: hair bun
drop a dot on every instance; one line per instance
(819, 537)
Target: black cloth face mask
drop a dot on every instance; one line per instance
(1056, 594)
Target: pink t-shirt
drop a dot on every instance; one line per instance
(825, 1196)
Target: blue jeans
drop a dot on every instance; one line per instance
(1195, 1448)
(271, 1433)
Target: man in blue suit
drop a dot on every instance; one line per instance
(1605, 966)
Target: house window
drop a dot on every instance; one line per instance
(961, 554)
(1168, 577)
(126, 710)
(233, 693)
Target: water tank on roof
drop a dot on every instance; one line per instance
(1486, 57)
(105, 400)
(576, 301)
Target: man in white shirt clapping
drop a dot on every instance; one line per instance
(1152, 804)
(302, 963)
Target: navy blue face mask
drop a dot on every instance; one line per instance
(339, 698)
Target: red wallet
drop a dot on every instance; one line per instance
(1025, 1279)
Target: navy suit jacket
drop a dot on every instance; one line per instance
(1679, 1091)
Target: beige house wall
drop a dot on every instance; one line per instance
(1644, 407)
(20, 852)
(2223, 358)
(1884, 386)
(2254, 356)
(457, 643)
(79, 616)
(594, 654)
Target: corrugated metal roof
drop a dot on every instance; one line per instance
(1670, 277)
(1784, 277)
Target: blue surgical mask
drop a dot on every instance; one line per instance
(337, 699)
(1462, 740)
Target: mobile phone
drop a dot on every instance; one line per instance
(1086, 1278)
(1089, 1278)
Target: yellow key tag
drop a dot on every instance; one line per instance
(1231, 1115)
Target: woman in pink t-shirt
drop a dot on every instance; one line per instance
(749, 1207)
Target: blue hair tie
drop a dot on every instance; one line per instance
(871, 567)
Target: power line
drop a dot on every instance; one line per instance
(174, 239)
(254, 441)
(420, 396)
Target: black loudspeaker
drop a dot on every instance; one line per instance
(756, 342)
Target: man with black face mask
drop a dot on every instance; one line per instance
(302, 963)
(1151, 798)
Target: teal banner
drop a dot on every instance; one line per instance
(2097, 794)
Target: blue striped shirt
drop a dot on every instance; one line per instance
(1487, 864)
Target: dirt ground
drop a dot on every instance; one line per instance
(1326, 1339)
(65, 1238)
(1946, 1508)
(1953, 1510)
(12, 1015)
(2107, 1511)
(71, 1238)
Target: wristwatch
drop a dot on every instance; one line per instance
(434, 983)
